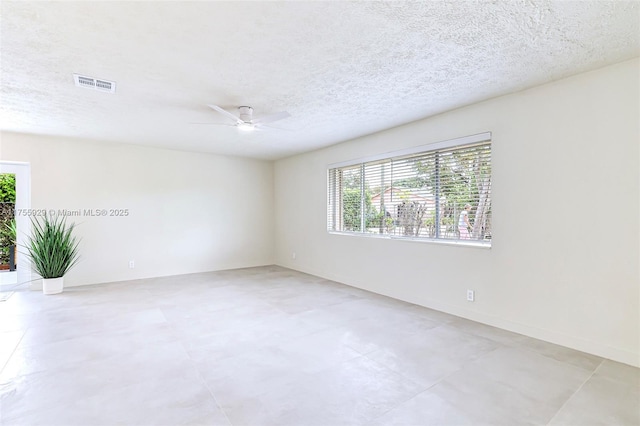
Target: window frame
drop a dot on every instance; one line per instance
(334, 189)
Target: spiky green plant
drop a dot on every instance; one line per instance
(52, 247)
(11, 231)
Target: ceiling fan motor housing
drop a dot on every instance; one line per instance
(246, 113)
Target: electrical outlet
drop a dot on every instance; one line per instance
(132, 264)
(471, 295)
(293, 255)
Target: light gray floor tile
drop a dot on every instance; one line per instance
(610, 397)
(160, 401)
(493, 333)
(354, 392)
(428, 408)
(511, 386)
(45, 390)
(56, 331)
(560, 353)
(51, 356)
(383, 332)
(9, 342)
(268, 345)
(432, 355)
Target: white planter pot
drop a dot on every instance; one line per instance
(52, 285)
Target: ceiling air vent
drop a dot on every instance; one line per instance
(94, 83)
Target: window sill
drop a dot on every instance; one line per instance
(463, 243)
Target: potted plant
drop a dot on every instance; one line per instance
(53, 250)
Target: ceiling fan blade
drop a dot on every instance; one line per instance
(216, 124)
(271, 118)
(261, 126)
(225, 113)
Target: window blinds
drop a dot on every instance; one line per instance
(416, 195)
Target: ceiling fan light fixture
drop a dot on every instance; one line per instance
(244, 120)
(246, 127)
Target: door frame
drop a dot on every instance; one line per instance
(23, 223)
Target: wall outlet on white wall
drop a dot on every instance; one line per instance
(132, 264)
(471, 295)
(293, 255)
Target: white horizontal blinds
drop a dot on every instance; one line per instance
(413, 195)
(349, 209)
(418, 195)
(377, 206)
(417, 150)
(465, 178)
(332, 195)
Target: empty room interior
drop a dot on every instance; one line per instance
(320, 213)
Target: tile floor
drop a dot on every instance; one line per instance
(271, 346)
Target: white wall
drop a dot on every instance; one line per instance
(188, 212)
(564, 266)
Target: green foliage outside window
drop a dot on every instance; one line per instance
(7, 215)
(352, 204)
(7, 188)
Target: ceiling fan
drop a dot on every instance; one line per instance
(245, 121)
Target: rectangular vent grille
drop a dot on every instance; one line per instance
(94, 83)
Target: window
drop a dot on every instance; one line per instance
(440, 191)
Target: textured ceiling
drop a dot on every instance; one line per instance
(342, 69)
